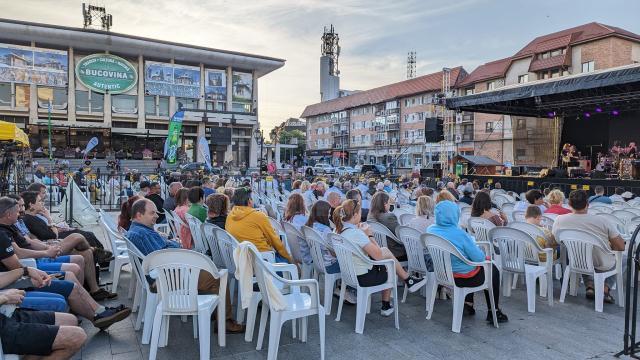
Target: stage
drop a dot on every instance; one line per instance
(523, 183)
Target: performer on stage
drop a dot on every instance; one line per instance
(564, 154)
(570, 156)
(631, 150)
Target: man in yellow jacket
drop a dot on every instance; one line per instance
(248, 224)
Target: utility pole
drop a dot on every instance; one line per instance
(411, 65)
(96, 14)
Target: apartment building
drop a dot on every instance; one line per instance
(530, 140)
(398, 124)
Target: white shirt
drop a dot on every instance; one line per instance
(361, 239)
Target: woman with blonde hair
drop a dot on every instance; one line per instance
(445, 195)
(556, 199)
(346, 218)
(424, 214)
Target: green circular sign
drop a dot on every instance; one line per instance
(106, 73)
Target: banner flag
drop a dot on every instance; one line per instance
(203, 150)
(173, 137)
(90, 145)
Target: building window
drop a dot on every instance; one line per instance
(5, 94)
(468, 91)
(555, 73)
(150, 105)
(241, 107)
(186, 103)
(523, 79)
(521, 154)
(57, 97)
(163, 106)
(216, 105)
(23, 96)
(89, 101)
(488, 127)
(521, 124)
(588, 66)
(491, 85)
(124, 104)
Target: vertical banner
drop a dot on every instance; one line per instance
(203, 150)
(91, 144)
(173, 137)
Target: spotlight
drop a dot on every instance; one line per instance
(598, 109)
(587, 115)
(615, 113)
(551, 114)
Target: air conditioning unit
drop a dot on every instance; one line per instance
(459, 118)
(458, 137)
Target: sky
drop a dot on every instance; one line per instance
(375, 36)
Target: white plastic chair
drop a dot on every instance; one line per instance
(120, 254)
(345, 252)
(381, 233)
(177, 280)
(197, 236)
(212, 244)
(148, 300)
(602, 207)
(624, 215)
(317, 246)
(536, 232)
(410, 237)
(295, 239)
(404, 219)
(580, 246)
(441, 252)
(518, 216)
(519, 255)
(547, 221)
(299, 305)
(615, 221)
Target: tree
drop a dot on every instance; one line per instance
(292, 137)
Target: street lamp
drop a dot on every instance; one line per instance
(259, 135)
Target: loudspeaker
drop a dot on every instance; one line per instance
(558, 173)
(433, 130)
(428, 173)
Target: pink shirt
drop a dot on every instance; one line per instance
(185, 233)
(557, 209)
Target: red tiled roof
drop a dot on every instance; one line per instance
(548, 63)
(572, 36)
(490, 70)
(426, 83)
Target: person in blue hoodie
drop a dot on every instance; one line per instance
(447, 215)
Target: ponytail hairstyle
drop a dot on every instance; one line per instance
(345, 212)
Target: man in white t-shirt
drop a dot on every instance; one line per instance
(600, 227)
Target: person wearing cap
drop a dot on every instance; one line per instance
(627, 195)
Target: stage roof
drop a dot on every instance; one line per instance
(611, 89)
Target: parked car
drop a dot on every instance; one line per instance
(324, 169)
(198, 166)
(345, 170)
(373, 169)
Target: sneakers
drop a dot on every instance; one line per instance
(103, 256)
(103, 294)
(110, 316)
(386, 309)
(502, 318)
(415, 283)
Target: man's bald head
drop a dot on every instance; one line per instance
(334, 199)
(174, 187)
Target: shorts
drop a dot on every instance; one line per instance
(60, 287)
(333, 268)
(44, 301)
(28, 332)
(376, 276)
(55, 260)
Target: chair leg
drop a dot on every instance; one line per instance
(204, 328)
(458, 307)
(321, 316)
(368, 303)
(598, 287)
(620, 287)
(343, 288)
(116, 276)
(574, 283)
(329, 284)
(165, 330)
(155, 336)
(565, 283)
(303, 329)
(530, 281)
(141, 310)
(396, 306)
(275, 326)
(149, 311)
(263, 325)
(132, 285)
(431, 296)
(251, 316)
(543, 285)
(222, 324)
(404, 293)
(361, 310)
(194, 321)
(493, 307)
(515, 282)
(550, 288)
(506, 283)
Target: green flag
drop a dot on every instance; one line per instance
(173, 137)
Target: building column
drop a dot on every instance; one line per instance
(253, 149)
(71, 88)
(202, 100)
(141, 104)
(229, 88)
(107, 110)
(277, 146)
(254, 93)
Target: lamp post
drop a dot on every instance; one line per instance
(259, 135)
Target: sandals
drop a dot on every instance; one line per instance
(608, 299)
(590, 293)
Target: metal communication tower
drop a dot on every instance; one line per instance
(96, 17)
(331, 49)
(411, 65)
(448, 123)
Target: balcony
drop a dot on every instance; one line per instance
(340, 145)
(339, 133)
(342, 120)
(387, 112)
(387, 127)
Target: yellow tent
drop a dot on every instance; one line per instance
(10, 132)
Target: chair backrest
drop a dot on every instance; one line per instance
(501, 199)
(108, 220)
(178, 223)
(516, 248)
(602, 207)
(345, 252)
(635, 210)
(294, 237)
(480, 228)
(580, 246)
(404, 219)
(530, 229)
(212, 243)
(410, 238)
(135, 259)
(381, 234)
(624, 215)
(547, 221)
(277, 226)
(178, 271)
(620, 204)
(495, 192)
(226, 243)
(317, 246)
(507, 207)
(441, 252)
(110, 234)
(633, 224)
(518, 215)
(195, 227)
(620, 226)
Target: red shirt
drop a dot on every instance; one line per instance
(557, 209)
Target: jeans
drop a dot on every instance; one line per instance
(44, 301)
